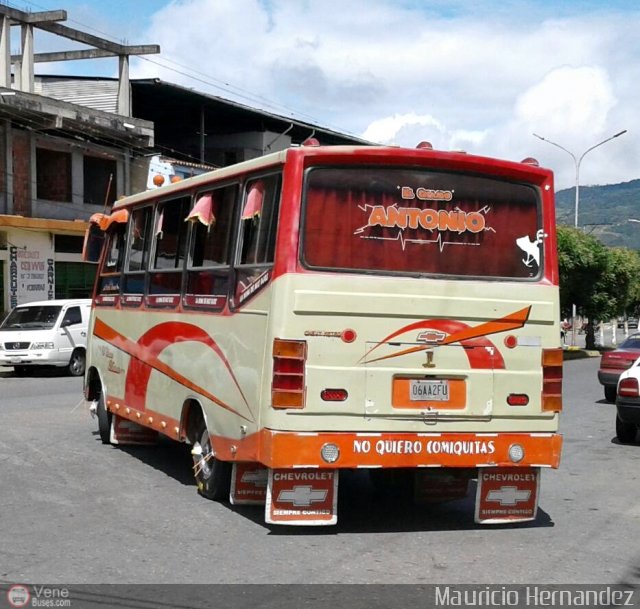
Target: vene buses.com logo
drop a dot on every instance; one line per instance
(18, 595)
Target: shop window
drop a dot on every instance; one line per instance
(68, 244)
(74, 279)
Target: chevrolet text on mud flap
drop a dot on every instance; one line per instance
(337, 308)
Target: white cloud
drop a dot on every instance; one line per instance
(480, 77)
(570, 99)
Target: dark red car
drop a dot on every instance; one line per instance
(614, 363)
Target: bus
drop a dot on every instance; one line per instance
(331, 308)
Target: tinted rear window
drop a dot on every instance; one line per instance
(421, 222)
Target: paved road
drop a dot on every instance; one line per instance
(75, 511)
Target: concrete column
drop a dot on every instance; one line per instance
(5, 52)
(77, 177)
(26, 69)
(124, 87)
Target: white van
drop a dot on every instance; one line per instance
(46, 333)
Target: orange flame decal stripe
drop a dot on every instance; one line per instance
(509, 322)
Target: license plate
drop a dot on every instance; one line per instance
(435, 391)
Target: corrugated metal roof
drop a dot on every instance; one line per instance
(95, 94)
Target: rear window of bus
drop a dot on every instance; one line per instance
(416, 221)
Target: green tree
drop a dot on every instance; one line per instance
(602, 282)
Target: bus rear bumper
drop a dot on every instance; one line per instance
(340, 450)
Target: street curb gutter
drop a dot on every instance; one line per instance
(571, 353)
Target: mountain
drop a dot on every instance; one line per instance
(604, 212)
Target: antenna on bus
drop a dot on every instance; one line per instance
(106, 194)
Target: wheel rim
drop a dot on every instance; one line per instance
(77, 364)
(206, 454)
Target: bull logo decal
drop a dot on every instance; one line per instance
(531, 248)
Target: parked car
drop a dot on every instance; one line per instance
(46, 333)
(614, 363)
(628, 404)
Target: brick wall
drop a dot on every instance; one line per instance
(21, 174)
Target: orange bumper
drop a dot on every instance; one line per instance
(289, 449)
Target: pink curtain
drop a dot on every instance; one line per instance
(255, 198)
(203, 211)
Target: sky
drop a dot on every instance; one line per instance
(476, 75)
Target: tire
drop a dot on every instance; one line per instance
(213, 476)
(626, 432)
(610, 393)
(22, 370)
(77, 363)
(104, 421)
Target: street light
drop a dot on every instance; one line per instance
(577, 161)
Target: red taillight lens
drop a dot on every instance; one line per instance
(334, 395)
(552, 380)
(288, 384)
(517, 399)
(629, 388)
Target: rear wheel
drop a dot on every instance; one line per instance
(213, 476)
(610, 393)
(626, 432)
(77, 363)
(104, 421)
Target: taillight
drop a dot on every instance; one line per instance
(288, 384)
(552, 380)
(517, 399)
(628, 388)
(334, 395)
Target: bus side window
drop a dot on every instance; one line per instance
(210, 253)
(138, 250)
(109, 282)
(170, 238)
(258, 226)
(115, 253)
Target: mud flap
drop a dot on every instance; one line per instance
(302, 497)
(438, 485)
(507, 494)
(124, 431)
(248, 484)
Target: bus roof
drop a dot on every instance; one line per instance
(526, 169)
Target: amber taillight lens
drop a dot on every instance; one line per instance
(288, 384)
(552, 380)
